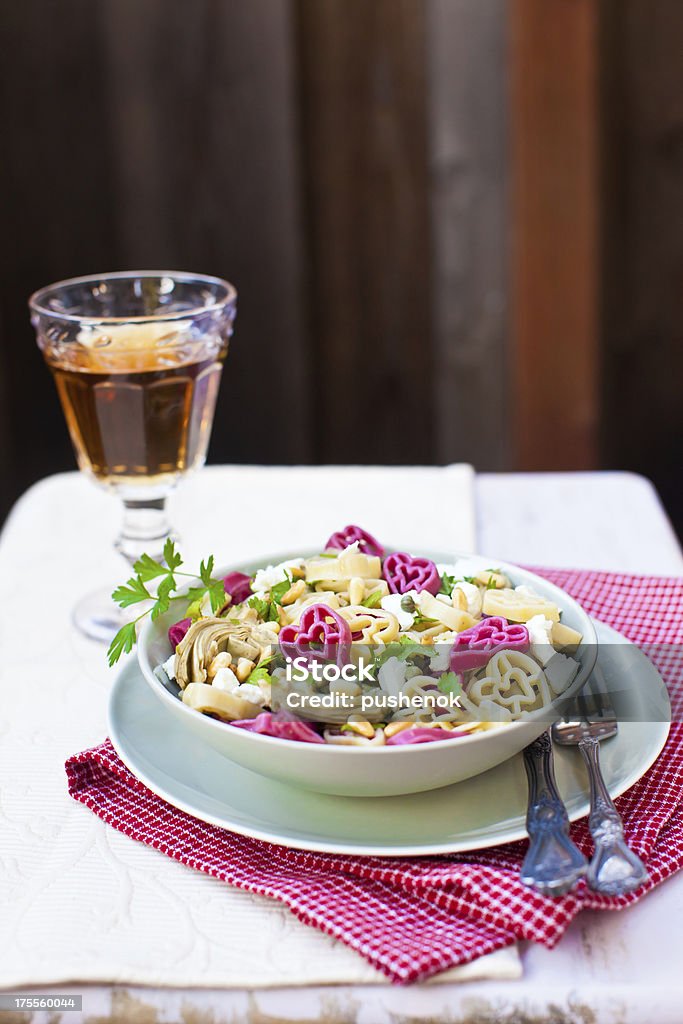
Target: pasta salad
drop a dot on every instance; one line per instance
(357, 646)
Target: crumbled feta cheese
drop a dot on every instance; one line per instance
(392, 603)
(169, 667)
(392, 676)
(440, 659)
(444, 597)
(225, 679)
(273, 574)
(205, 605)
(540, 635)
(254, 694)
(560, 671)
(472, 596)
(540, 629)
(352, 549)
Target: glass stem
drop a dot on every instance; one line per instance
(145, 528)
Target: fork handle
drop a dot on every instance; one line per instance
(553, 864)
(615, 869)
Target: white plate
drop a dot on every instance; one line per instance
(482, 811)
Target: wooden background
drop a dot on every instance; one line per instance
(455, 225)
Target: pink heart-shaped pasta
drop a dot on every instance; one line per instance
(349, 535)
(177, 631)
(266, 724)
(422, 735)
(238, 585)
(475, 646)
(321, 635)
(404, 572)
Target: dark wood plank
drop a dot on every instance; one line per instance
(54, 220)
(643, 252)
(150, 133)
(468, 121)
(363, 86)
(205, 138)
(555, 233)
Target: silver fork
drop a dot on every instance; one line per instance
(615, 869)
(553, 864)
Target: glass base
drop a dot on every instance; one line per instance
(97, 617)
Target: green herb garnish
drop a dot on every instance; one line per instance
(260, 675)
(260, 605)
(373, 600)
(449, 683)
(424, 620)
(447, 583)
(267, 609)
(280, 589)
(135, 591)
(400, 649)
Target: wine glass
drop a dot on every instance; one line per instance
(137, 359)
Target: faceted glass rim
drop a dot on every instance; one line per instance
(37, 301)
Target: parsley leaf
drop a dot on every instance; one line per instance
(171, 556)
(400, 649)
(163, 601)
(122, 643)
(259, 675)
(447, 583)
(260, 604)
(205, 571)
(135, 590)
(217, 594)
(450, 683)
(132, 592)
(278, 591)
(267, 609)
(148, 568)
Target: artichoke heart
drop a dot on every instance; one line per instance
(205, 639)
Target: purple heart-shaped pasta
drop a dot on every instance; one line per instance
(349, 535)
(177, 631)
(238, 585)
(404, 572)
(416, 734)
(267, 725)
(321, 635)
(475, 646)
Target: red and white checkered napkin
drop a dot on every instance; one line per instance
(412, 918)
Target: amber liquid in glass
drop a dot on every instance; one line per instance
(140, 417)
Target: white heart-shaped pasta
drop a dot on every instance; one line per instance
(374, 624)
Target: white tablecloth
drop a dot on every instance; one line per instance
(78, 900)
(608, 969)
